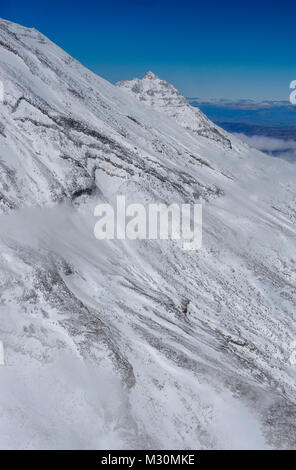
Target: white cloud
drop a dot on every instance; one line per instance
(279, 148)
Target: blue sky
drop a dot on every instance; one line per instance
(208, 49)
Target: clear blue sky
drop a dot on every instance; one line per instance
(208, 49)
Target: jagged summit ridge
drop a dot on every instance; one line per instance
(164, 97)
(155, 91)
(150, 75)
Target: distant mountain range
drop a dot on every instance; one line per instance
(280, 132)
(270, 118)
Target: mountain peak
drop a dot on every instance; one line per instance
(150, 75)
(164, 97)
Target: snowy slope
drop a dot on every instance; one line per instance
(98, 353)
(164, 97)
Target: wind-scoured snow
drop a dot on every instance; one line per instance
(98, 353)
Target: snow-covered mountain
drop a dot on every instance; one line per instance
(98, 353)
(164, 97)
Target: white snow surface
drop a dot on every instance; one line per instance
(97, 351)
(164, 97)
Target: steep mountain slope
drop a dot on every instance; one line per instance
(98, 353)
(164, 97)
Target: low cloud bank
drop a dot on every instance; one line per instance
(279, 148)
